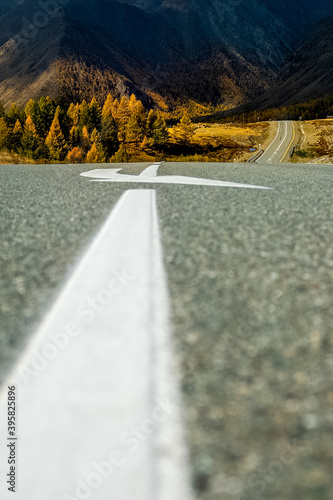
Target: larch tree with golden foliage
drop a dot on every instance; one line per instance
(13, 114)
(94, 115)
(56, 142)
(85, 140)
(96, 154)
(75, 155)
(74, 136)
(109, 131)
(17, 136)
(30, 141)
(121, 156)
(185, 129)
(136, 126)
(74, 114)
(4, 134)
(122, 118)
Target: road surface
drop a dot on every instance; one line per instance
(278, 150)
(233, 266)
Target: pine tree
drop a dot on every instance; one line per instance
(185, 129)
(95, 137)
(29, 127)
(151, 118)
(32, 109)
(132, 103)
(156, 128)
(121, 155)
(74, 136)
(122, 118)
(84, 114)
(47, 110)
(16, 136)
(4, 134)
(115, 109)
(74, 114)
(55, 141)
(30, 141)
(109, 131)
(13, 114)
(96, 154)
(160, 131)
(75, 155)
(136, 126)
(108, 108)
(85, 139)
(94, 114)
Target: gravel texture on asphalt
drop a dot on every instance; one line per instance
(251, 284)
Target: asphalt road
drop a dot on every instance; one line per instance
(279, 148)
(250, 281)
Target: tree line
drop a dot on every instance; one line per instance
(312, 109)
(82, 132)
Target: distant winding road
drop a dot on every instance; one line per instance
(277, 151)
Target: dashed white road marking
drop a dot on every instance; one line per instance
(271, 145)
(281, 143)
(108, 381)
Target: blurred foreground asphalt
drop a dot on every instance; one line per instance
(250, 277)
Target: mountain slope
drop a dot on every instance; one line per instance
(207, 50)
(307, 74)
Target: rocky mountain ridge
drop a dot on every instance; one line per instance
(165, 51)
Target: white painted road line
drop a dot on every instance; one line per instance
(273, 153)
(281, 142)
(290, 143)
(113, 175)
(151, 171)
(266, 153)
(99, 417)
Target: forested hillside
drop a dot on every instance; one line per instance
(85, 132)
(210, 51)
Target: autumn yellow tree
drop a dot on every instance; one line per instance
(109, 130)
(30, 141)
(75, 155)
(4, 134)
(123, 116)
(94, 115)
(156, 128)
(32, 109)
(13, 114)
(96, 154)
(132, 103)
(17, 136)
(74, 136)
(185, 130)
(74, 114)
(121, 155)
(56, 142)
(85, 139)
(136, 126)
